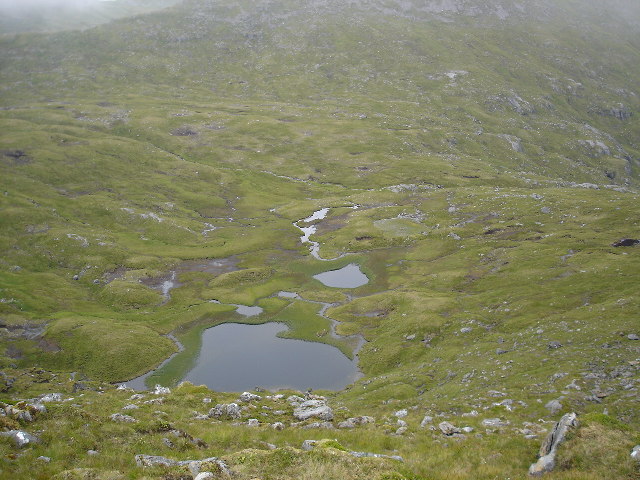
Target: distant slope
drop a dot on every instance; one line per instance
(56, 15)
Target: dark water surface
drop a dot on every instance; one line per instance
(236, 357)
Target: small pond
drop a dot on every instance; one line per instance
(347, 277)
(236, 357)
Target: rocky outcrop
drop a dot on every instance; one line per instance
(225, 410)
(549, 447)
(313, 409)
(20, 438)
(195, 467)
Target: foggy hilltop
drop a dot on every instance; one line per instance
(321, 239)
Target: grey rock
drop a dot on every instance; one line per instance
(501, 351)
(194, 465)
(328, 425)
(249, 397)
(401, 431)
(50, 397)
(204, 476)
(466, 330)
(402, 423)
(313, 409)
(308, 445)
(160, 390)
(225, 410)
(253, 422)
(447, 428)
(349, 423)
(554, 406)
(295, 400)
(154, 461)
(376, 455)
(635, 453)
(426, 421)
(277, 426)
(20, 438)
(92, 453)
(633, 336)
(494, 423)
(401, 413)
(545, 210)
(549, 447)
(554, 345)
(168, 443)
(467, 429)
(44, 459)
(131, 406)
(120, 418)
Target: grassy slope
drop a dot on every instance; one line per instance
(298, 112)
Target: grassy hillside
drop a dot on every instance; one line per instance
(492, 151)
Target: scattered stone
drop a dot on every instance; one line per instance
(137, 396)
(44, 459)
(131, 406)
(633, 336)
(160, 390)
(548, 449)
(635, 453)
(467, 429)
(501, 351)
(554, 406)
(120, 418)
(410, 337)
(92, 453)
(426, 421)
(277, 426)
(494, 423)
(328, 425)
(545, 210)
(626, 242)
(295, 400)
(401, 413)
(253, 422)
(206, 400)
(448, 429)
(376, 455)
(554, 345)
(309, 445)
(20, 439)
(204, 476)
(194, 466)
(249, 397)
(313, 408)
(50, 397)
(466, 330)
(402, 430)
(227, 410)
(402, 423)
(168, 443)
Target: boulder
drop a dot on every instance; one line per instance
(160, 390)
(549, 447)
(249, 397)
(494, 423)
(313, 409)
(426, 421)
(20, 438)
(120, 418)
(448, 429)
(225, 410)
(554, 406)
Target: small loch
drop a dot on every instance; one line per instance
(236, 357)
(347, 277)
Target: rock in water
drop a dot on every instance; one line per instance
(549, 447)
(313, 408)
